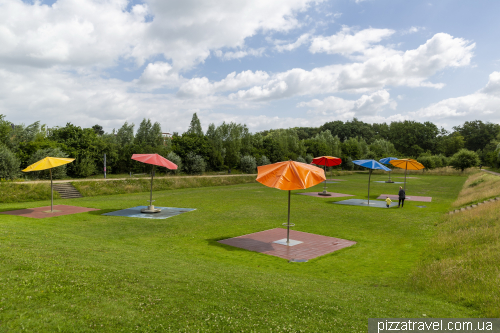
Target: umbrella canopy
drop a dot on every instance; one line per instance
(371, 164)
(386, 161)
(326, 161)
(49, 163)
(155, 160)
(407, 164)
(289, 176)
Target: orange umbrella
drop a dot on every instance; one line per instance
(289, 176)
(326, 161)
(407, 164)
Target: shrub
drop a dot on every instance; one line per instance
(194, 164)
(301, 159)
(176, 159)
(428, 162)
(248, 164)
(57, 173)
(464, 159)
(85, 167)
(263, 160)
(9, 164)
(309, 158)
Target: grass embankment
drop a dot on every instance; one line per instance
(10, 192)
(462, 262)
(97, 188)
(477, 188)
(88, 272)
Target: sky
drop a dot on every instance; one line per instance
(266, 64)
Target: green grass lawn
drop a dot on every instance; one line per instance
(88, 272)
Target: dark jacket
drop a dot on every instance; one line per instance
(402, 194)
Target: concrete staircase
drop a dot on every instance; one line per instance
(67, 191)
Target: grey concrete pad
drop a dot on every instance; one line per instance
(364, 203)
(165, 212)
(332, 194)
(383, 181)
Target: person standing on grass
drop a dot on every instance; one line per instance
(402, 196)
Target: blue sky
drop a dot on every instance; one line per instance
(267, 64)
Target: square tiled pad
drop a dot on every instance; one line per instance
(312, 245)
(333, 195)
(395, 197)
(165, 212)
(364, 203)
(43, 212)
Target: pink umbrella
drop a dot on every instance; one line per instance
(155, 160)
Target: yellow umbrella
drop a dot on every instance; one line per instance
(407, 164)
(49, 163)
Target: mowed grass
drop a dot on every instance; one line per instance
(87, 272)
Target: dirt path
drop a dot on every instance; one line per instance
(127, 178)
(493, 173)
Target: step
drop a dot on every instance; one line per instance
(67, 191)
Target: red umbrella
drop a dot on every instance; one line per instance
(155, 160)
(326, 161)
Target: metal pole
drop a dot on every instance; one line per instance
(151, 193)
(369, 176)
(288, 226)
(51, 193)
(104, 166)
(406, 169)
(324, 187)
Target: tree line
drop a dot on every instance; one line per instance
(232, 146)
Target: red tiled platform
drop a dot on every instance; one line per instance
(313, 245)
(408, 198)
(40, 212)
(333, 195)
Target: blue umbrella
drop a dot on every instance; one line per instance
(386, 161)
(370, 164)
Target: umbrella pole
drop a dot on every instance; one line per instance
(51, 194)
(369, 176)
(406, 169)
(288, 224)
(324, 187)
(151, 192)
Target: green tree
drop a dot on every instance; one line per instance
(174, 158)
(464, 159)
(453, 143)
(98, 129)
(194, 164)
(9, 163)
(218, 152)
(477, 134)
(195, 126)
(125, 134)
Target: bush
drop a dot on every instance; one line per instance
(194, 164)
(9, 164)
(176, 159)
(428, 162)
(248, 164)
(85, 167)
(263, 160)
(309, 158)
(300, 159)
(57, 173)
(464, 159)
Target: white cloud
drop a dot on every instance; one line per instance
(159, 74)
(411, 68)
(304, 38)
(346, 43)
(240, 54)
(484, 103)
(366, 105)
